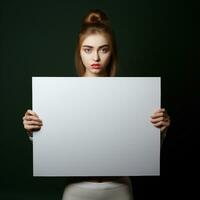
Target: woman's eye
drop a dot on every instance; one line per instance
(104, 50)
(87, 50)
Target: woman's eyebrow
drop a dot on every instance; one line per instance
(105, 45)
(88, 46)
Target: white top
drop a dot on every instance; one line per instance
(96, 185)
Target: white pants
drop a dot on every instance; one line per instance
(97, 191)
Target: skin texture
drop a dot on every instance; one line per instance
(95, 49)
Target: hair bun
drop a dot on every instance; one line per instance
(95, 17)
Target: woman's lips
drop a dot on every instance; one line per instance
(96, 66)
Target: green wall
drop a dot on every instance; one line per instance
(154, 38)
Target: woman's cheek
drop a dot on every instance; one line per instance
(106, 60)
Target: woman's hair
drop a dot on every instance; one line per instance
(96, 21)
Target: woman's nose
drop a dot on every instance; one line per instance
(96, 56)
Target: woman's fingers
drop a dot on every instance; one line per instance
(31, 118)
(159, 113)
(30, 112)
(32, 127)
(157, 119)
(161, 124)
(32, 121)
(160, 119)
(160, 110)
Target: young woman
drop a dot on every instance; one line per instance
(96, 56)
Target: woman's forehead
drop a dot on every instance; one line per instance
(96, 40)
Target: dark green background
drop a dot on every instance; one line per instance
(154, 38)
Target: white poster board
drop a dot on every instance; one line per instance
(96, 126)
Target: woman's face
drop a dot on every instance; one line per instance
(95, 53)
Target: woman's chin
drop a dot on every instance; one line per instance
(96, 71)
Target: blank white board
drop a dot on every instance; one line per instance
(96, 126)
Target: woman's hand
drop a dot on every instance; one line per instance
(31, 122)
(161, 120)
